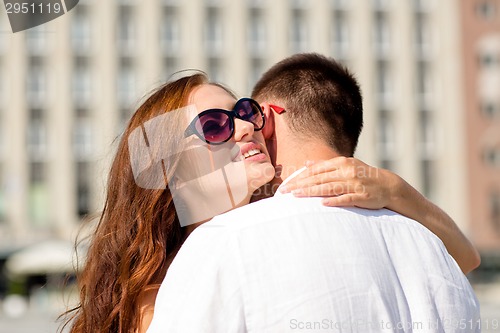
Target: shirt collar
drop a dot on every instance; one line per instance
(289, 178)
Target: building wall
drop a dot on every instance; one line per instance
(481, 50)
(69, 86)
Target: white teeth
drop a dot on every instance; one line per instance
(255, 151)
(251, 152)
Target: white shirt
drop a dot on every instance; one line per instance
(287, 264)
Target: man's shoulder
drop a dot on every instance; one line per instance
(265, 211)
(287, 207)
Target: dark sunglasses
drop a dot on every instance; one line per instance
(216, 126)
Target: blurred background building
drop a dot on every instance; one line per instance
(481, 56)
(429, 70)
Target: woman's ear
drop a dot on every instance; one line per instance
(268, 130)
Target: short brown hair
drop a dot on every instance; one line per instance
(322, 99)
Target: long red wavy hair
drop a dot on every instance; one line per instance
(138, 232)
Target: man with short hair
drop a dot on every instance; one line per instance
(288, 264)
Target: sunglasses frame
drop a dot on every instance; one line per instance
(191, 129)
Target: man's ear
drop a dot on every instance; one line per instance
(268, 130)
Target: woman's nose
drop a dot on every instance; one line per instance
(243, 130)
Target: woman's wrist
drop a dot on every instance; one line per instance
(403, 198)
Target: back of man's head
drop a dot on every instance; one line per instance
(321, 97)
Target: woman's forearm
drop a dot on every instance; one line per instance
(409, 202)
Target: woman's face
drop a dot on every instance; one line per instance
(217, 178)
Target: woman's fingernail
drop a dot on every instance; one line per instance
(308, 163)
(298, 192)
(283, 189)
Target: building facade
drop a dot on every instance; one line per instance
(481, 52)
(68, 88)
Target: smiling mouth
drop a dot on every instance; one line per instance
(251, 152)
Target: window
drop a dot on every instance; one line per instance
(428, 177)
(422, 35)
(170, 66)
(124, 117)
(486, 10)
(83, 188)
(387, 164)
(491, 156)
(126, 85)
(215, 70)
(381, 4)
(256, 3)
(488, 60)
(257, 34)
(38, 197)
(170, 32)
(299, 3)
(256, 70)
(213, 32)
(36, 85)
(37, 172)
(2, 144)
(80, 31)
(213, 3)
(81, 86)
(427, 135)
(490, 109)
(83, 200)
(384, 86)
(340, 4)
(424, 85)
(126, 31)
(81, 112)
(37, 41)
(3, 190)
(170, 2)
(82, 139)
(298, 31)
(340, 32)
(37, 140)
(421, 5)
(37, 114)
(382, 35)
(386, 136)
(495, 209)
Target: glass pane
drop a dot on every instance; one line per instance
(298, 32)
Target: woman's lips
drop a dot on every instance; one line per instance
(250, 152)
(257, 157)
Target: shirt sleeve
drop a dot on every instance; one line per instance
(201, 291)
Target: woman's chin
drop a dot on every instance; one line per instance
(259, 174)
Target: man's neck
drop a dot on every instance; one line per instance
(293, 158)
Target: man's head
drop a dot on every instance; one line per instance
(321, 97)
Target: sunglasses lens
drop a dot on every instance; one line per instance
(215, 127)
(249, 111)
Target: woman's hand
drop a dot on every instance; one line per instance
(350, 182)
(346, 181)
